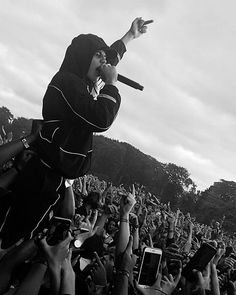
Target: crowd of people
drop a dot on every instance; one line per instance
(101, 247)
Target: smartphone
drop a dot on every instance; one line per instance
(199, 261)
(149, 267)
(58, 230)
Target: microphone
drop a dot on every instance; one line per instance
(129, 82)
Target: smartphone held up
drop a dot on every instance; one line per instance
(199, 261)
(149, 267)
(58, 230)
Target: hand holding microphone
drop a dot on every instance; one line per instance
(108, 74)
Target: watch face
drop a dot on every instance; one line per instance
(77, 243)
(25, 143)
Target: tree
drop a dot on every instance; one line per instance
(6, 117)
(21, 127)
(178, 183)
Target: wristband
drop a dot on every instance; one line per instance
(25, 143)
(123, 273)
(124, 220)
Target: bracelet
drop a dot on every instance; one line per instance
(161, 291)
(124, 220)
(25, 142)
(123, 273)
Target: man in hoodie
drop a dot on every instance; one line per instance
(73, 108)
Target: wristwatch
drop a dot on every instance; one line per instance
(25, 142)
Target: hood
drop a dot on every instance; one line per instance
(80, 52)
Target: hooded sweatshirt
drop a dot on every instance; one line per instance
(73, 109)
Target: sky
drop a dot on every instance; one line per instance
(186, 63)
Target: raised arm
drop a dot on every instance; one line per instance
(126, 204)
(137, 29)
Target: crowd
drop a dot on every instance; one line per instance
(99, 249)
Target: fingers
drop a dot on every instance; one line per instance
(150, 240)
(141, 290)
(168, 279)
(98, 259)
(143, 30)
(133, 190)
(43, 243)
(69, 254)
(147, 22)
(178, 277)
(94, 230)
(158, 281)
(199, 275)
(67, 240)
(88, 216)
(94, 218)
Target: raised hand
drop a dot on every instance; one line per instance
(56, 254)
(127, 203)
(98, 272)
(138, 27)
(169, 283)
(88, 225)
(89, 222)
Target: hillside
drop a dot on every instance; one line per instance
(120, 162)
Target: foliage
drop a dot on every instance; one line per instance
(8, 123)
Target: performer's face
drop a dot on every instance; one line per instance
(98, 59)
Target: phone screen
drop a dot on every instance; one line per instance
(58, 230)
(199, 261)
(149, 268)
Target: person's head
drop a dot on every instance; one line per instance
(85, 55)
(111, 226)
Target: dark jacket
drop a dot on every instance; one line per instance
(73, 111)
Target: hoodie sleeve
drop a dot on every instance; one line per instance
(120, 48)
(67, 99)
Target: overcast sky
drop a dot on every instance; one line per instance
(186, 62)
